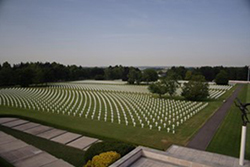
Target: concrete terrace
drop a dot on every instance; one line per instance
(176, 156)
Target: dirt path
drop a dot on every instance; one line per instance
(203, 137)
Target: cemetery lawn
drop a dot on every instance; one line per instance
(69, 154)
(228, 136)
(114, 131)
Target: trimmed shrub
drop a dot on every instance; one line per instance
(98, 148)
(103, 160)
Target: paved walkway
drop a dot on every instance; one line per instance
(20, 154)
(206, 133)
(57, 135)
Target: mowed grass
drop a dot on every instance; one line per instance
(228, 137)
(69, 154)
(114, 131)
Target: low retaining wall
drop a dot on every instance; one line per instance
(129, 158)
(157, 155)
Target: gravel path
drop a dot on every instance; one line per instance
(203, 137)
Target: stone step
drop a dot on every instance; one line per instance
(56, 135)
(21, 154)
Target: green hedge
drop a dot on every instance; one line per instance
(98, 148)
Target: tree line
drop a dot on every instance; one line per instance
(210, 73)
(25, 74)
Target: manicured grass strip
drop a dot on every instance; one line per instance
(4, 163)
(69, 154)
(227, 139)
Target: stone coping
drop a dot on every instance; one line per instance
(191, 160)
(153, 154)
(204, 157)
(129, 158)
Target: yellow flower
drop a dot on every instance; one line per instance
(103, 159)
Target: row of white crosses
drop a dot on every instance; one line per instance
(31, 98)
(215, 94)
(66, 103)
(27, 103)
(105, 87)
(220, 87)
(8, 100)
(160, 118)
(123, 108)
(215, 91)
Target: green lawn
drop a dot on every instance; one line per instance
(104, 130)
(69, 154)
(227, 139)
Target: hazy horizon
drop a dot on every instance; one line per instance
(142, 66)
(190, 33)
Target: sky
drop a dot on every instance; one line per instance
(126, 32)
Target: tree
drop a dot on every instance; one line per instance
(222, 78)
(134, 76)
(188, 75)
(171, 83)
(112, 73)
(125, 74)
(61, 73)
(25, 76)
(95, 73)
(171, 86)
(37, 76)
(158, 88)
(241, 73)
(207, 72)
(178, 71)
(48, 73)
(168, 85)
(171, 74)
(6, 75)
(196, 88)
(149, 75)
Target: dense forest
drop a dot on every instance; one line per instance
(25, 74)
(233, 73)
